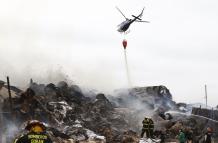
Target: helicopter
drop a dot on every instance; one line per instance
(123, 27)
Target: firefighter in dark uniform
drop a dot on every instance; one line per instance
(208, 136)
(36, 133)
(148, 127)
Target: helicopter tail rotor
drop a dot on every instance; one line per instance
(137, 17)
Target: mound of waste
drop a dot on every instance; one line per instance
(73, 115)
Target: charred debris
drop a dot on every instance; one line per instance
(73, 115)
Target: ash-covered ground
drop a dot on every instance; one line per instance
(76, 115)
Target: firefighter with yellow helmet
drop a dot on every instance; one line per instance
(36, 134)
(148, 127)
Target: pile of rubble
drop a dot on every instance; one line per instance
(71, 116)
(74, 116)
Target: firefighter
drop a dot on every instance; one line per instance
(36, 133)
(208, 136)
(148, 127)
(181, 136)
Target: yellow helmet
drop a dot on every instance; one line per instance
(35, 125)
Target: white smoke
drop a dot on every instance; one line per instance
(8, 129)
(136, 109)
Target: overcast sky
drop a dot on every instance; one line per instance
(47, 39)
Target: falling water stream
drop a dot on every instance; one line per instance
(127, 69)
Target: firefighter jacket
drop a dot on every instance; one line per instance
(148, 124)
(33, 138)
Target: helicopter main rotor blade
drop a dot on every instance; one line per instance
(121, 12)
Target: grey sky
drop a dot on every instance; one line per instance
(178, 49)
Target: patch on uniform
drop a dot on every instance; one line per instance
(44, 137)
(37, 141)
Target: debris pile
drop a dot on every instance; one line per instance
(74, 116)
(70, 114)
